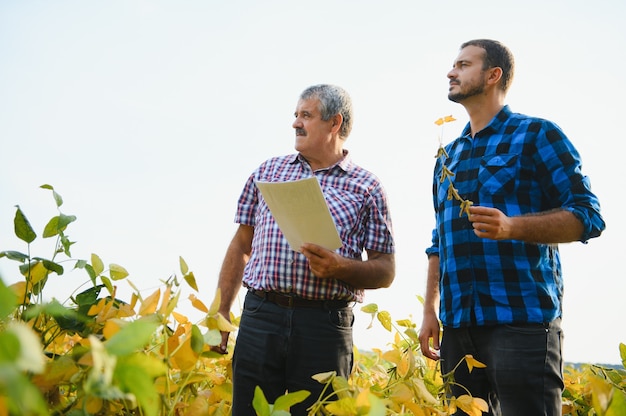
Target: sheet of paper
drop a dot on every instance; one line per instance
(301, 212)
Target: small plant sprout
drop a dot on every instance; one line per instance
(446, 173)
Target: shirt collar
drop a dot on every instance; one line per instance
(494, 125)
(344, 164)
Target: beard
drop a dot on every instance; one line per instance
(476, 87)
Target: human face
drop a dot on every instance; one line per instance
(312, 133)
(467, 77)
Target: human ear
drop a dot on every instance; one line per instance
(337, 121)
(495, 75)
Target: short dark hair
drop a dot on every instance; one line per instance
(333, 100)
(496, 55)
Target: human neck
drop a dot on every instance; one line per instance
(481, 113)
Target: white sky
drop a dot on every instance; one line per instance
(148, 116)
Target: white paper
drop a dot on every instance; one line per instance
(301, 212)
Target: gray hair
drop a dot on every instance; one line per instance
(333, 100)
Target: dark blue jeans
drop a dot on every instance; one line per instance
(524, 373)
(279, 349)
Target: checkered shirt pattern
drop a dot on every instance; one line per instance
(358, 205)
(520, 165)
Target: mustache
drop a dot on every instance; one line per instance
(300, 132)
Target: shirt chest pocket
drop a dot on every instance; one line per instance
(498, 174)
(345, 207)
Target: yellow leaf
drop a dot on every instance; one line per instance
(342, 407)
(223, 324)
(149, 305)
(473, 406)
(181, 319)
(96, 263)
(19, 289)
(185, 358)
(197, 303)
(407, 323)
(448, 119)
(111, 327)
(165, 300)
(215, 305)
(97, 308)
(472, 362)
(37, 273)
(133, 300)
(171, 305)
(117, 272)
(602, 392)
(385, 319)
(407, 363)
(401, 393)
(93, 405)
(324, 378)
(183, 265)
(439, 121)
(393, 356)
(415, 408)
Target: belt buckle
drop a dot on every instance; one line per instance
(291, 301)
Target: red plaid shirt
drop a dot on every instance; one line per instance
(358, 205)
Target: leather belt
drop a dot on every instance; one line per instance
(292, 301)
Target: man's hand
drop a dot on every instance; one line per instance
(490, 223)
(324, 264)
(223, 347)
(430, 330)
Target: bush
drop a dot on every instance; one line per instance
(100, 355)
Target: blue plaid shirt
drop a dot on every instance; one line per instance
(520, 165)
(358, 205)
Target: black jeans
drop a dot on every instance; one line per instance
(280, 348)
(524, 373)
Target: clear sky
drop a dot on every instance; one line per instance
(148, 116)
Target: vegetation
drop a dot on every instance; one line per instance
(100, 355)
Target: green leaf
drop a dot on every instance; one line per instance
(259, 403)
(135, 380)
(8, 300)
(88, 297)
(117, 272)
(23, 229)
(9, 347)
(57, 197)
(133, 336)
(107, 282)
(65, 220)
(197, 340)
(341, 387)
(57, 225)
(51, 266)
(191, 281)
(14, 255)
(371, 308)
(213, 337)
(22, 397)
(52, 227)
(97, 264)
(286, 401)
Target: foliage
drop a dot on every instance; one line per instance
(446, 173)
(100, 355)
